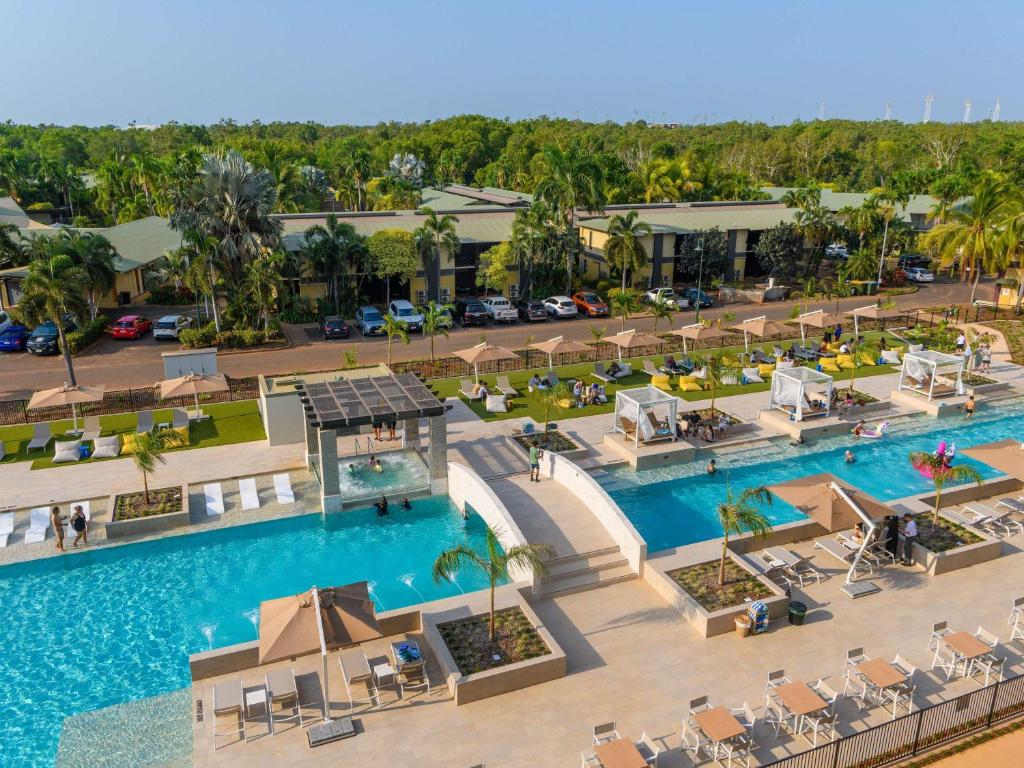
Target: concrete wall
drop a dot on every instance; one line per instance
(973, 492)
(120, 529)
(604, 509)
(284, 420)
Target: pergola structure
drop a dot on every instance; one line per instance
(792, 389)
(348, 404)
(646, 414)
(921, 369)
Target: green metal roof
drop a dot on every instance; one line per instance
(689, 218)
(919, 205)
(491, 226)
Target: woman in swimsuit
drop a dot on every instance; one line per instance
(80, 526)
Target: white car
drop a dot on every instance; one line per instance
(666, 295)
(169, 326)
(837, 251)
(500, 309)
(920, 275)
(560, 306)
(406, 314)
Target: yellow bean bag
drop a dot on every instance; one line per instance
(864, 358)
(828, 364)
(566, 402)
(661, 381)
(833, 346)
(127, 443)
(765, 370)
(183, 436)
(845, 362)
(689, 384)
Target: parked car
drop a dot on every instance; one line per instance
(471, 312)
(169, 326)
(667, 296)
(5, 321)
(406, 314)
(913, 260)
(560, 306)
(500, 309)
(837, 251)
(920, 275)
(369, 321)
(131, 327)
(531, 310)
(692, 296)
(334, 328)
(590, 304)
(45, 339)
(13, 338)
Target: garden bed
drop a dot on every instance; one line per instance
(701, 583)
(552, 440)
(972, 379)
(706, 414)
(948, 535)
(130, 515)
(951, 546)
(471, 648)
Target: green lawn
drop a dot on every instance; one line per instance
(524, 405)
(229, 423)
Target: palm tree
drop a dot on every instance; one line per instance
(173, 268)
(661, 310)
(262, 282)
(8, 248)
(623, 249)
(655, 177)
(717, 366)
(494, 562)
(431, 235)
(867, 347)
(148, 449)
(971, 231)
(942, 475)
(740, 514)
(570, 179)
(437, 320)
(624, 304)
(51, 290)
(326, 249)
(201, 278)
(394, 330)
(550, 400)
(861, 264)
(95, 255)
(891, 200)
(598, 332)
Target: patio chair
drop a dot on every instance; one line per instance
(38, 525)
(742, 745)
(214, 497)
(628, 426)
(605, 732)
(855, 685)
(179, 418)
(227, 700)
(505, 388)
(247, 490)
(41, 437)
(1016, 620)
(771, 569)
(90, 428)
(466, 390)
(988, 664)
(412, 675)
(939, 630)
(902, 693)
(589, 761)
(6, 527)
(282, 690)
(802, 568)
(358, 677)
(971, 520)
(661, 431)
(693, 737)
(600, 374)
(648, 750)
(649, 368)
(145, 422)
(842, 553)
(821, 723)
(1001, 522)
(283, 488)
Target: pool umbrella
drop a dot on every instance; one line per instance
(557, 346)
(815, 319)
(632, 339)
(698, 332)
(69, 394)
(193, 384)
(815, 497)
(760, 327)
(872, 312)
(1005, 455)
(484, 353)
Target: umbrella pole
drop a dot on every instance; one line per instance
(684, 345)
(803, 337)
(74, 419)
(476, 372)
(551, 364)
(196, 395)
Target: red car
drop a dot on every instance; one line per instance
(590, 304)
(131, 327)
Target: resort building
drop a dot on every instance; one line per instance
(915, 213)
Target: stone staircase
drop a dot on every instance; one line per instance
(586, 570)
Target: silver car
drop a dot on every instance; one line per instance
(169, 326)
(560, 306)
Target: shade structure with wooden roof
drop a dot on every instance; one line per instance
(699, 332)
(1005, 455)
(559, 345)
(816, 319)
(871, 312)
(193, 384)
(484, 352)
(68, 394)
(760, 327)
(633, 339)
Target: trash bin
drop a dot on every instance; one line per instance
(797, 612)
(743, 625)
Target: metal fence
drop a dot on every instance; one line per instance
(912, 734)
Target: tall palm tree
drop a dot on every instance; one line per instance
(394, 330)
(173, 268)
(494, 562)
(533, 237)
(570, 179)
(941, 476)
(437, 321)
(430, 236)
(623, 250)
(655, 178)
(147, 452)
(740, 514)
(356, 167)
(892, 200)
(972, 231)
(326, 252)
(263, 283)
(201, 278)
(661, 310)
(95, 255)
(869, 348)
(51, 290)
(623, 304)
(717, 367)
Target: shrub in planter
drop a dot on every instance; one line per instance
(197, 338)
(87, 334)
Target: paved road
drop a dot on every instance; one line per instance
(123, 364)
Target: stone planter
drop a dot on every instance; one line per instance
(937, 563)
(576, 453)
(142, 526)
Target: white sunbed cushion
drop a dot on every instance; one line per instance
(782, 364)
(214, 499)
(496, 404)
(106, 447)
(39, 524)
(891, 356)
(283, 487)
(67, 451)
(753, 375)
(250, 496)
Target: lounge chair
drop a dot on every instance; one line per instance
(600, 374)
(552, 379)
(1016, 505)
(145, 423)
(179, 418)
(282, 690)
(628, 426)
(283, 487)
(842, 553)
(469, 390)
(770, 569)
(505, 388)
(6, 527)
(38, 525)
(1003, 522)
(41, 436)
(803, 353)
(3, 450)
(214, 499)
(90, 429)
(650, 370)
(69, 532)
(673, 366)
(356, 673)
(661, 432)
(227, 700)
(247, 490)
(971, 520)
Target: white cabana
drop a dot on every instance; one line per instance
(921, 370)
(646, 414)
(801, 392)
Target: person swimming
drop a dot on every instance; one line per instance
(712, 468)
(372, 460)
(850, 458)
(857, 430)
(378, 466)
(406, 504)
(351, 469)
(382, 506)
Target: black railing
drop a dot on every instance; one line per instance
(917, 732)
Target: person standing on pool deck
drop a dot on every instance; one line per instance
(534, 463)
(80, 526)
(58, 527)
(909, 535)
(892, 532)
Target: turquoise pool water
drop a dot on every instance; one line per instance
(92, 629)
(674, 506)
(402, 470)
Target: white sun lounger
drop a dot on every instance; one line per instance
(214, 499)
(283, 486)
(999, 522)
(1017, 505)
(972, 519)
(250, 497)
(69, 532)
(38, 525)
(840, 552)
(6, 527)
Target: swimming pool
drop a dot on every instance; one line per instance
(402, 470)
(95, 628)
(673, 506)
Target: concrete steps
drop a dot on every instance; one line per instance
(588, 570)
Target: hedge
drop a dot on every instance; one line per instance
(244, 338)
(87, 334)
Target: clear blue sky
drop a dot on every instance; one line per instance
(341, 61)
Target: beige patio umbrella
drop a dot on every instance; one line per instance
(1005, 455)
(815, 497)
(871, 312)
(698, 332)
(484, 353)
(816, 319)
(68, 394)
(632, 339)
(760, 327)
(557, 346)
(193, 384)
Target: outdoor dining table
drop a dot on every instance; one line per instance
(798, 698)
(966, 647)
(880, 673)
(620, 753)
(719, 725)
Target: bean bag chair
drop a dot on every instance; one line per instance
(864, 358)
(890, 357)
(784, 364)
(752, 376)
(845, 362)
(689, 384)
(765, 370)
(662, 382)
(496, 404)
(828, 364)
(128, 446)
